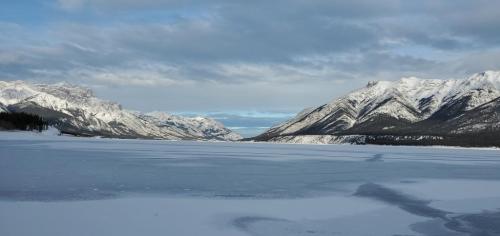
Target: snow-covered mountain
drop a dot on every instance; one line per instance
(194, 126)
(75, 110)
(410, 106)
(3, 108)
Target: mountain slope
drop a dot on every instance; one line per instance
(75, 110)
(410, 106)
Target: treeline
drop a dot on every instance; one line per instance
(22, 121)
(484, 139)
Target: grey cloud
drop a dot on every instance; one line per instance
(215, 51)
(458, 18)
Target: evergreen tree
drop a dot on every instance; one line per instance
(22, 121)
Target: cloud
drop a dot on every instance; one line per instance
(223, 54)
(125, 77)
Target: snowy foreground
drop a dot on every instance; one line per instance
(52, 186)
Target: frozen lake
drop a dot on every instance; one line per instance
(51, 185)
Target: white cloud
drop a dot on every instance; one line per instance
(143, 75)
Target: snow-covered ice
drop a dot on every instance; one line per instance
(59, 185)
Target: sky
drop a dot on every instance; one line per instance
(242, 60)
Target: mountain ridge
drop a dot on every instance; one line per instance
(75, 110)
(409, 106)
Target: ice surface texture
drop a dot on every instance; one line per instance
(52, 185)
